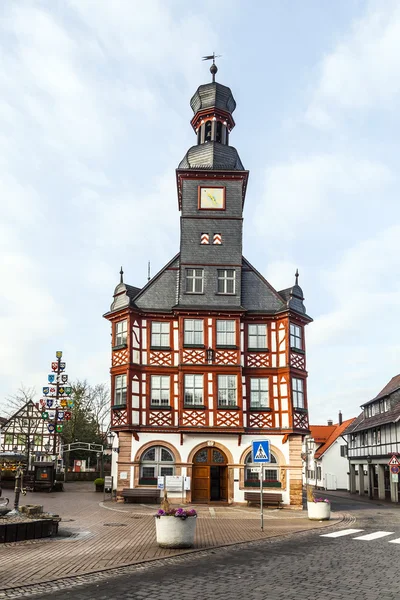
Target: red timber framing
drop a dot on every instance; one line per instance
(278, 362)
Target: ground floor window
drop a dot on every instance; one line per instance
(252, 473)
(156, 461)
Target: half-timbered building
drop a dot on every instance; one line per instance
(374, 445)
(26, 434)
(208, 356)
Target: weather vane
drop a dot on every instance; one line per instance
(213, 68)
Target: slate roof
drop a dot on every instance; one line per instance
(161, 293)
(213, 156)
(213, 95)
(294, 298)
(392, 389)
(392, 386)
(331, 435)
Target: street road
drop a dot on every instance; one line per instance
(361, 564)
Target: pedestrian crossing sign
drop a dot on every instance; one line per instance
(261, 452)
(394, 460)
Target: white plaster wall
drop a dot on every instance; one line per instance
(335, 465)
(229, 441)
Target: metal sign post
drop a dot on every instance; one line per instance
(261, 454)
(261, 498)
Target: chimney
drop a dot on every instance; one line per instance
(340, 417)
(330, 422)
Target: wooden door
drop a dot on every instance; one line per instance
(223, 478)
(201, 483)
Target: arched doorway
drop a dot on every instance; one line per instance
(210, 476)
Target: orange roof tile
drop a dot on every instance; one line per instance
(334, 433)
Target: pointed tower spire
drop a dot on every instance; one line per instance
(297, 277)
(121, 273)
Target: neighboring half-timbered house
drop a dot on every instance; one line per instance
(374, 445)
(208, 356)
(25, 433)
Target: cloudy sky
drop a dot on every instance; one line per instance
(94, 119)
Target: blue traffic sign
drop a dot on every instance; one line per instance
(261, 452)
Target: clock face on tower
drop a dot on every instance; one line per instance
(212, 198)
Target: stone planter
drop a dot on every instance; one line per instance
(319, 511)
(173, 532)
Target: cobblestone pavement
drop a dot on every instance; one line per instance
(100, 536)
(301, 566)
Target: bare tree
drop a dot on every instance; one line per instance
(94, 401)
(15, 401)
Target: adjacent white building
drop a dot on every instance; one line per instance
(326, 464)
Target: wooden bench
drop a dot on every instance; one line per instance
(269, 498)
(141, 495)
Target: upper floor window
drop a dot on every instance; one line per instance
(160, 390)
(194, 281)
(258, 336)
(193, 332)
(226, 333)
(298, 392)
(194, 390)
(259, 397)
(121, 333)
(296, 340)
(120, 389)
(226, 281)
(160, 334)
(227, 390)
(343, 450)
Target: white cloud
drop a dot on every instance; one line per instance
(308, 194)
(362, 71)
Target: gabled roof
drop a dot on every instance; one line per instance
(392, 415)
(392, 386)
(329, 434)
(321, 433)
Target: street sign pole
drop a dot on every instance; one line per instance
(261, 454)
(261, 498)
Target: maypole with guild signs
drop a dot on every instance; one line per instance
(57, 403)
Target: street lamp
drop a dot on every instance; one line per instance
(110, 438)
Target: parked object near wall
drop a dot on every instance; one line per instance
(319, 510)
(176, 528)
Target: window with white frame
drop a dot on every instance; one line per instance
(121, 332)
(226, 281)
(298, 392)
(226, 331)
(193, 332)
(194, 281)
(120, 389)
(259, 395)
(194, 390)
(252, 472)
(160, 390)
(257, 336)
(160, 334)
(296, 338)
(155, 462)
(227, 391)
